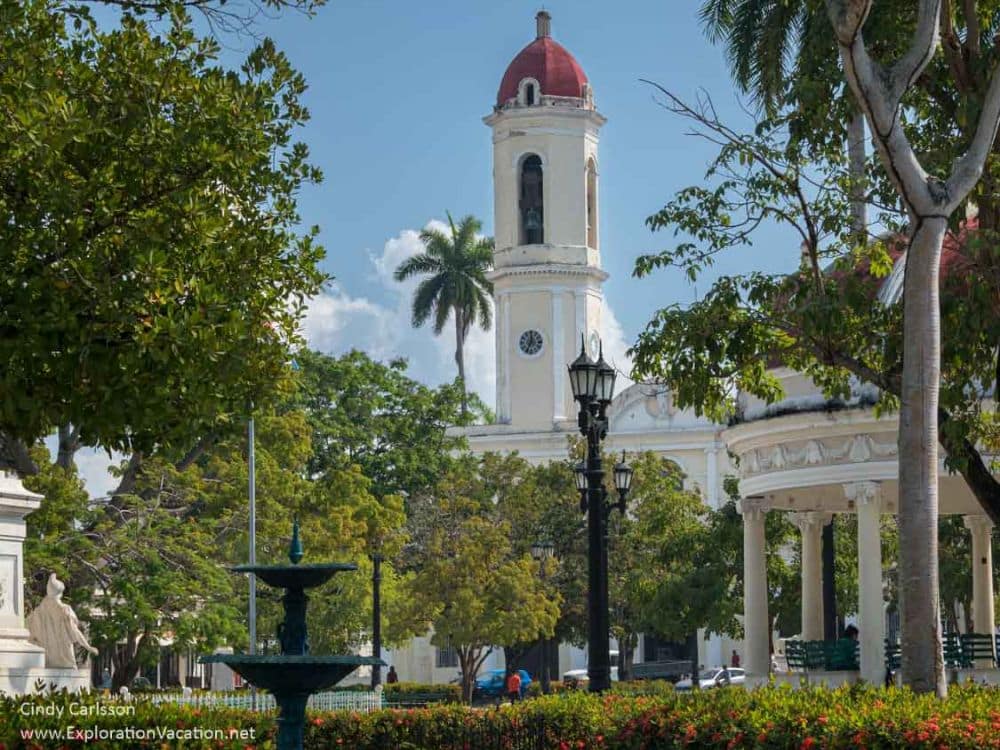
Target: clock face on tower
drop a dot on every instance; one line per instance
(530, 343)
(594, 344)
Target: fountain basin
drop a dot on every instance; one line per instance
(292, 674)
(295, 576)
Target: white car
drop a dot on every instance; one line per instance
(718, 677)
(580, 675)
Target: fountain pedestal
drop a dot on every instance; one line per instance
(295, 674)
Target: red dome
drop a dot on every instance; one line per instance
(548, 62)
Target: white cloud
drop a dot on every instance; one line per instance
(615, 346)
(337, 322)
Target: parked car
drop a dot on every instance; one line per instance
(493, 684)
(578, 676)
(717, 677)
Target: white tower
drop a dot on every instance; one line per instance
(547, 270)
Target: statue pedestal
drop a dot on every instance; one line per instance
(22, 664)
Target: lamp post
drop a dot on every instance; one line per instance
(543, 552)
(376, 617)
(593, 386)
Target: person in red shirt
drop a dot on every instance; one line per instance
(514, 686)
(735, 662)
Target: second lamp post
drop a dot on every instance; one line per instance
(593, 386)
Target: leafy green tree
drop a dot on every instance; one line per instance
(455, 265)
(473, 582)
(650, 558)
(372, 415)
(943, 75)
(148, 210)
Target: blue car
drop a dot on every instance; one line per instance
(493, 684)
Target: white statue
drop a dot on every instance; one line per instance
(54, 627)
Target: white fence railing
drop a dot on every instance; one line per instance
(340, 700)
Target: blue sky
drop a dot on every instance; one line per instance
(397, 92)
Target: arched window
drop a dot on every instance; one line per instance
(529, 94)
(591, 204)
(532, 213)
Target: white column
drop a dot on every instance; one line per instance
(811, 527)
(503, 407)
(559, 360)
(867, 497)
(712, 475)
(982, 575)
(756, 624)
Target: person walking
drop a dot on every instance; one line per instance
(514, 686)
(735, 661)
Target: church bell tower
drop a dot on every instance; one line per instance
(547, 268)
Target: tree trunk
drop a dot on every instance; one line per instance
(830, 629)
(126, 661)
(919, 605)
(68, 445)
(695, 664)
(466, 659)
(856, 162)
(460, 356)
(626, 656)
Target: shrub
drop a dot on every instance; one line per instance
(400, 692)
(730, 718)
(555, 687)
(643, 687)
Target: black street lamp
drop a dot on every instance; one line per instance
(593, 386)
(376, 617)
(543, 552)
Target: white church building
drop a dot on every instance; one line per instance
(807, 455)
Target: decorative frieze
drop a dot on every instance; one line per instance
(818, 452)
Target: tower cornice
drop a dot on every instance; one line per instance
(548, 269)
(555, 109)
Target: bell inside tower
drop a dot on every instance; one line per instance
(532, 216)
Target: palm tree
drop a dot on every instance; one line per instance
(455, 266)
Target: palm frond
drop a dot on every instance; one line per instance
(446, 302)
(426, 298)
(416, 264)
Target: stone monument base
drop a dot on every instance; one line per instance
(22, 666)
(25, 680)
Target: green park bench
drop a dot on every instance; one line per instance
(976, 647)
(832, 656)
(893, 655)
(954, 657)
(795, 655)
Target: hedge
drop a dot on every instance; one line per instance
(731, 718)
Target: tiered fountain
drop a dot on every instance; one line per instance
(294, 675)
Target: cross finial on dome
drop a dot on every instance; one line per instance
(543, 23)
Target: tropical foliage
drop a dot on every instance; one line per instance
(727, 719)
(455, 264)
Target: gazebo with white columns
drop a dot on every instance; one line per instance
(813, 458)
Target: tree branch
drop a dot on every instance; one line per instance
(975, 471)
(952, 47)
(973, 33)
(908, 68)
(968, 168)
(68, 445)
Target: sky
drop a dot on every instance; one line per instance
(397, 93)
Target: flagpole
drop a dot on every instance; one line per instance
(252, 466)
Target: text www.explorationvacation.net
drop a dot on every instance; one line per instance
(161, 734)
